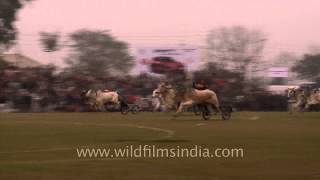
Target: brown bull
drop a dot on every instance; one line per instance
(187, 97)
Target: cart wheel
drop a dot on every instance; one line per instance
(204, 111)
(226, 116)
(135, 109)
(205, 115)
(226, 112)
(124, 110)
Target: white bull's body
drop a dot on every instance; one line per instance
(157, 100)
(99, 98)
(188, 98)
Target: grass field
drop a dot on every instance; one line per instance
(43, 146)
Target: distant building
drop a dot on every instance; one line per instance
(20, 60)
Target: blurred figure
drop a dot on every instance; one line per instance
(156, 100)
(200, 85)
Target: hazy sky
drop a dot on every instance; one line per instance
(291, 25)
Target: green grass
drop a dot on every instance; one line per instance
(43, 146)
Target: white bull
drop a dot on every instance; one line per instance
(313, 98)
(188, 97)
(296, 99)
(99, 98)
(157, 100)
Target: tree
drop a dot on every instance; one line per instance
(285, 59)
(213, 70)
(3, 64)
(49, 41)
(235, 47)
(308, 67)
(8, 11)
(98, 53)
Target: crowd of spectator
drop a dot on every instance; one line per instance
(43, 89)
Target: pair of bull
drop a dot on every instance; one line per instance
(302, 99)
(186, 96)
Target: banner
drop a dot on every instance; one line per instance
(278, 72)
(184, 53)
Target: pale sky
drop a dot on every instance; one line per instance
(291, 25)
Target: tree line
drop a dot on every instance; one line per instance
(98, 53)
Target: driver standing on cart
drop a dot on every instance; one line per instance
(200, 85)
